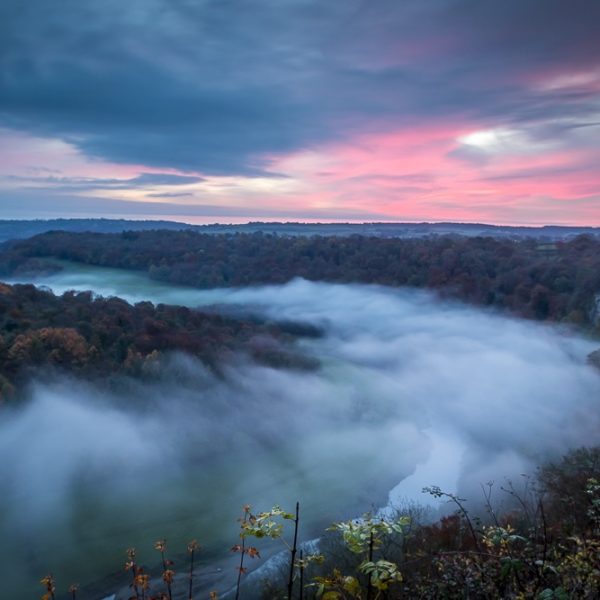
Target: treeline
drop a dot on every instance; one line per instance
(91, 336)
(544, 281)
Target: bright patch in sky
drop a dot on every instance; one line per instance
(488, 140)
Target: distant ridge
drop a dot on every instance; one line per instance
(19, 229)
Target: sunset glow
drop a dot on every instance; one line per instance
(390, 111)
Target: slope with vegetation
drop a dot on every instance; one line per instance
(93, 337)
(545, 281)
(545, 545)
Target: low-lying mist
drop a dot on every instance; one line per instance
(411, 391)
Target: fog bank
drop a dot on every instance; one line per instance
(411, 391)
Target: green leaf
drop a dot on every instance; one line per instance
(557, 594)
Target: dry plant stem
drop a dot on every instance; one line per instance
(540, 571)
(488, 502)
(134, 570)
(169, 590)
(164, 564)
(369, 584)
(49, 583)
(162, 554)
(294, 547)
(301, 576)
(465, 514)
(241, 567)
(190, 597)
(512, 492)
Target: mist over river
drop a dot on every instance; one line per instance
(411, 391)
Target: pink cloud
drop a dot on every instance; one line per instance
(460, 171)
(419, 174)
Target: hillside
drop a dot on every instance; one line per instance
(96, 337)
(543, 281)
(20, 229)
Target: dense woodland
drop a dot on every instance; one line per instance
(546, 281)
(90, 336)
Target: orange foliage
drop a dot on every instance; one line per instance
(53, 345)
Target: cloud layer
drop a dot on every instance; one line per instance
(237, 92)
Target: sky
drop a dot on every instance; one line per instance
(301, 110)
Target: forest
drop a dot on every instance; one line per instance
(554, 281)
(92, 337)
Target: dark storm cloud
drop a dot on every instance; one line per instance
(98, 183)
(217, 87)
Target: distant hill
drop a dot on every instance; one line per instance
(405, 230)
(16, 229)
